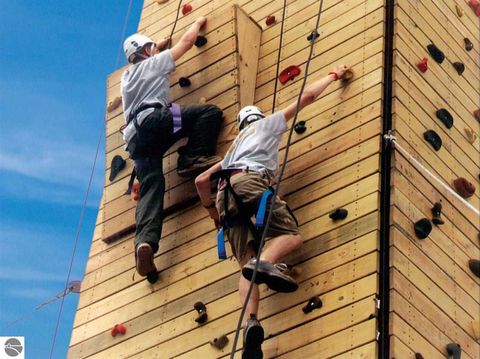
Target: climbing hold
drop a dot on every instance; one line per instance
(468, 44)
(313, 303)
(202, 100)
(220, 342)
(161, 1)
(459, 67)
(471, 135)
(475, 5)
(117, 164)
(445, 116)
(476, 329)
(184, 82)
(112, 105)
(118, 329)
(422, 228)
(200, 41)
(423, 65)
(313, 36)
(202, 312)
(152, 277)
(418, 356)
(433, 138)
(437, 213)
(347, 75)
(289, 74)
(463, 187)
(476, 113)
(436, 53)
(339, 213)
(474, 265)
(270, 20)
(300, 127)
(186, 9)
(454, 350)
(459, 10)
(135, 194)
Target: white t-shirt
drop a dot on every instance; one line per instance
(256, 146)
(146, 82)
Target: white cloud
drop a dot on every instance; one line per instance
(30, 275)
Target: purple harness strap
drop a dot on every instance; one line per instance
(177, 116)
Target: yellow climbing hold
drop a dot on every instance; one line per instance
(471, 136)
(112, 105)
(476, 330)
(161, 1)
(459, 10)
(202, 100)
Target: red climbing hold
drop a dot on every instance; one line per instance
(464, 188)
(186, 9)
(423, 65)
(118, 329)
(270, 20)
(289, 74)
(136, 191)
(475, 5)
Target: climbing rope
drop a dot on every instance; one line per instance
(174, 24)
(77, 235)
(278, 56)
(277, 186)
(422, 168)
(129, 9)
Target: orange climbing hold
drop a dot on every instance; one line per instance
(136, 191)
(118, 329)
(289, 74)
(423, 65)
(186, 9)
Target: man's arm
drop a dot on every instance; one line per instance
(188, 39)
(203, 184)
(313, 91)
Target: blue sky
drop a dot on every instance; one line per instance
(54, 60)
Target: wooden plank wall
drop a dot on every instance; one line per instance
(434, 296)
(335, 163)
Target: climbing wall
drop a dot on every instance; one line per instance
(334, 164)
(435, 298)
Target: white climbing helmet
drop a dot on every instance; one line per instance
(247, 115)
(134, 44)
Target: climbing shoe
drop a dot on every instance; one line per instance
(271, 275)
(433, 138)
(437, 213)
(445, 116)
(253, 336)
(474, 265)
(422, 228)
(118, 164)
(463, 187)
(459, 67)
(144, 262)
(193, 166)
(436, 53)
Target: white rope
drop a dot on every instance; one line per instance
(421, 167)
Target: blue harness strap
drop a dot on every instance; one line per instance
(262, 208)
(222, 254)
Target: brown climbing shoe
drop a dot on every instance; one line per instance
(253, 336)
(144, 259)
(200, 164)
(271, 275)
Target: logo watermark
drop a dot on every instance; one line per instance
(12, 348)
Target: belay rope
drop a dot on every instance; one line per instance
(282, 171)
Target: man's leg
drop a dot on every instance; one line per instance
(281, 246)
(244, 284)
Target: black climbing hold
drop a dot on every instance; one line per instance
(422, 228)
(468, 44)
(313, 36)
(184, 82)
(459, 67)
(446, 117)
(300, 127)
(313, 303)
(220, 342)
(433, 138)
(202, 312)
(152, 277)
(200, 41)
(418, 356)
(436, 53)
(474, 265)
(454, 350)
(437, 213)
(117, 164)
(339, 213)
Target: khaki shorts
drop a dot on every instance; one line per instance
(250, 187)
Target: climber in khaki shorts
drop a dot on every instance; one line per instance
(246, 172)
